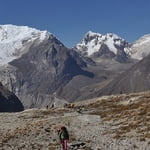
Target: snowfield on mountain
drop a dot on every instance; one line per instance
(92, 43)
(14, 38)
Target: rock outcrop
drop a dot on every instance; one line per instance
(8, 101)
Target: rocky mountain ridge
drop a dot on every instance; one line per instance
(95, 44)
(111, 45)
(40, 70)
(43, 67)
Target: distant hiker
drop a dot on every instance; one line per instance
(121, 92)
(64, 137)
(65, 105)
(79, 109)
(46, 106)
(72, 105)
(52, 106)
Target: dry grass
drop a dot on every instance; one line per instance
(125, 117)
(121, 117)
(24, 130)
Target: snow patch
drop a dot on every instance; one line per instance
(141, 48)
(92, 42)
(110, 44)
(12, 39)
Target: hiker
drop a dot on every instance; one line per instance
(79, 109)
(64, 137)
(52, 106)
(72, 105)
(46, 106)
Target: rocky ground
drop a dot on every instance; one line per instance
(120, 122)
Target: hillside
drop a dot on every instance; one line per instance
(114, 122)
(135, 79)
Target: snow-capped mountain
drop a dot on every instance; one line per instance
(35, 64)
(141, 47)
(39, 65)
(93, 42)
(13, 38)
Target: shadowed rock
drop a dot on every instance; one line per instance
(9, 102)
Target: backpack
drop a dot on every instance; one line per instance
(64, 134)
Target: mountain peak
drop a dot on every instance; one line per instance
(91, 33)
(141, 47)
(11, 32)
(13, 38)
(92, 43)
(107, 35)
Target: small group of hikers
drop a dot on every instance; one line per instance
(63, 137)
(52, 106)
(77, 108)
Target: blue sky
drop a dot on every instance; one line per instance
(69, 20)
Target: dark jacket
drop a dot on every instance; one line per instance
(63, 134)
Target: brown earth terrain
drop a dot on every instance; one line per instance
(117, 122)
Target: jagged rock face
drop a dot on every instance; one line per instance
(39, 64)
(9, 102)
(43, 70)
(105, 46)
